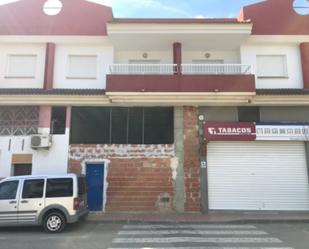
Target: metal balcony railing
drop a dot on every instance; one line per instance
(189, 69)
(220, 69)
(140, 69)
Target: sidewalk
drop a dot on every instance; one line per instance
(211, 217)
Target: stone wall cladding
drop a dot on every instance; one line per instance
(106, 151)
(140, 177)
(191, 160)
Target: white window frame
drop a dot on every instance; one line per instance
(70, 75)
(9, 75)
(285, 66)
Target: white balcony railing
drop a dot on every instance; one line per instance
(167, 69)
(220, 69)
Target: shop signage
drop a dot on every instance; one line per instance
(282, 132)
(236, 131)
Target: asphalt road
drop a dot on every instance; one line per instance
(107, 235)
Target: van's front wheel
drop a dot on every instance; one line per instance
(54, 222)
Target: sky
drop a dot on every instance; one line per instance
(174, 8)
(177, 8)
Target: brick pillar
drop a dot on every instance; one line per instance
(49, 66)
(191, 160)
(304, 52)
(177, 56)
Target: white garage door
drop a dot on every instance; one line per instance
(257, 176)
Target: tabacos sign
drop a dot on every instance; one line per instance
(230, 131)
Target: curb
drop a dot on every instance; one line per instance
(201, 219)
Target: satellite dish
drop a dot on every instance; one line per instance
(301, 7)
(52, 7)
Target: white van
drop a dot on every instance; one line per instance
(50, 201)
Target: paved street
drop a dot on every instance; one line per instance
(108, 235)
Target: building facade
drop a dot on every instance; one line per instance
(161, 115)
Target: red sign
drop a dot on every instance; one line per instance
(216, 131)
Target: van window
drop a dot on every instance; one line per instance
(81, 186)
(59, 187)
(33, 189)
(8, 190)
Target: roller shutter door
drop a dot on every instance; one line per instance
(257, 176)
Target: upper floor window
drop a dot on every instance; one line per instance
(21, 66)
(249, 114)
(82, 67)
(272, 66)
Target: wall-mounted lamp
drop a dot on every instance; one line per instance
(52, 7)
(207, 55)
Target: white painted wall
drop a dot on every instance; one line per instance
(52, 161)
(22, 49)
(292, 52)
(104, 58)
(229, 57)
(166, 57)
(123, 57)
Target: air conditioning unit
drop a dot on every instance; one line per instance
(41, 141)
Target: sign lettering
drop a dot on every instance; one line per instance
(230, 131)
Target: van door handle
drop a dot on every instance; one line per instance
(24, 201)
(12, 202)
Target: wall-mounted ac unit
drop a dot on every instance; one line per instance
(41, 141)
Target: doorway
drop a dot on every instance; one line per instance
(95, 185)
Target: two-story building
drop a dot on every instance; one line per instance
(161, 115)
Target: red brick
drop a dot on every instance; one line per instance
(135, 184)
(191, 159)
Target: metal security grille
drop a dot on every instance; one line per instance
(19, 121)
(258, 176)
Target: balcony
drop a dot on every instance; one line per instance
(142, 69)
(216, 69)
(199, 78)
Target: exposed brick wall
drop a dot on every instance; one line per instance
(75, 166)
(191, 160)
(140, 177)
(139, 185)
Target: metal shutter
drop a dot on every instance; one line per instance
(257, 176)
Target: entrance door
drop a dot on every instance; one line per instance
(95, 176)
(8, 202)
